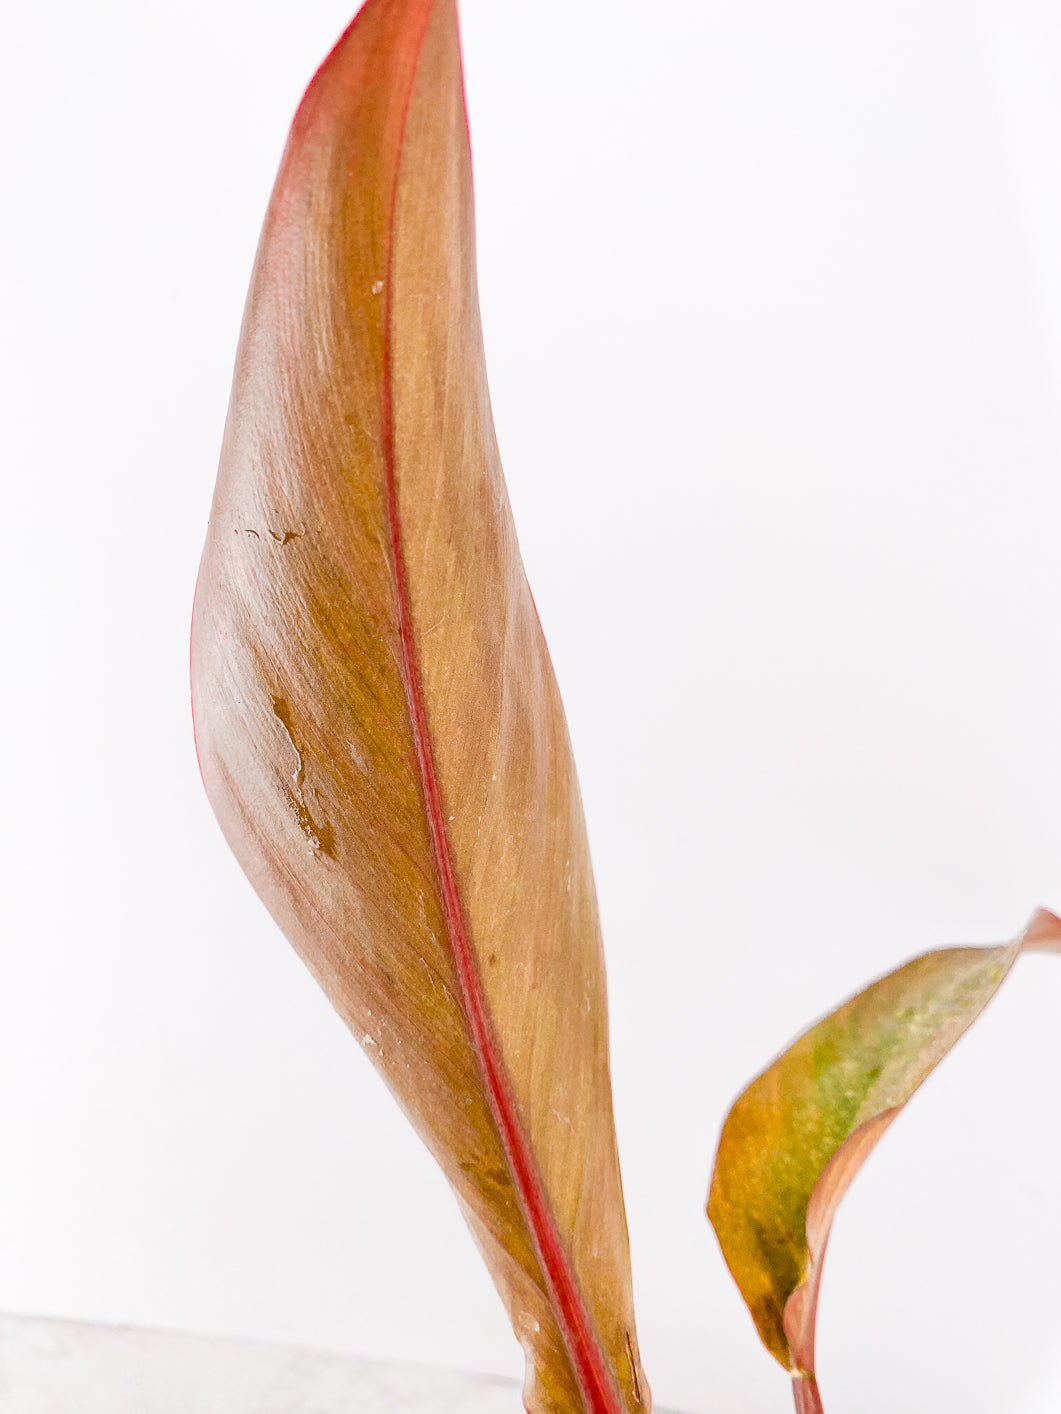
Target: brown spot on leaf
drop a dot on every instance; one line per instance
(321, 836)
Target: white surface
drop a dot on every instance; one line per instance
(771, 297)
(59, 1367)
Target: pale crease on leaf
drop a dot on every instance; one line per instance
(799, 1133)
(378, 724)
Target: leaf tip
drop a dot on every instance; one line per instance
(1043, 932)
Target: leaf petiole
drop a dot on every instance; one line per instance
(806, 1396)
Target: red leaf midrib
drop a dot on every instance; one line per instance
(588, 1364)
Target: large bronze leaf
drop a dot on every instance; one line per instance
(799, 1133)
(377, 720)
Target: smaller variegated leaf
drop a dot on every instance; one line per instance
(799, 1133)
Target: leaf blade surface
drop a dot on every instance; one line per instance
(378, 724)
(795, 1138)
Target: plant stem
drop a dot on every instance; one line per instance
(805, 1393)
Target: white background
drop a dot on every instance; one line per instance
(772, 302)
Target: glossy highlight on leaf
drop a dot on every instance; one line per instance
(797, 1136)
(378, 725)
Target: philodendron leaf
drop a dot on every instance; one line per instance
(378, 724)
(797, 1136)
